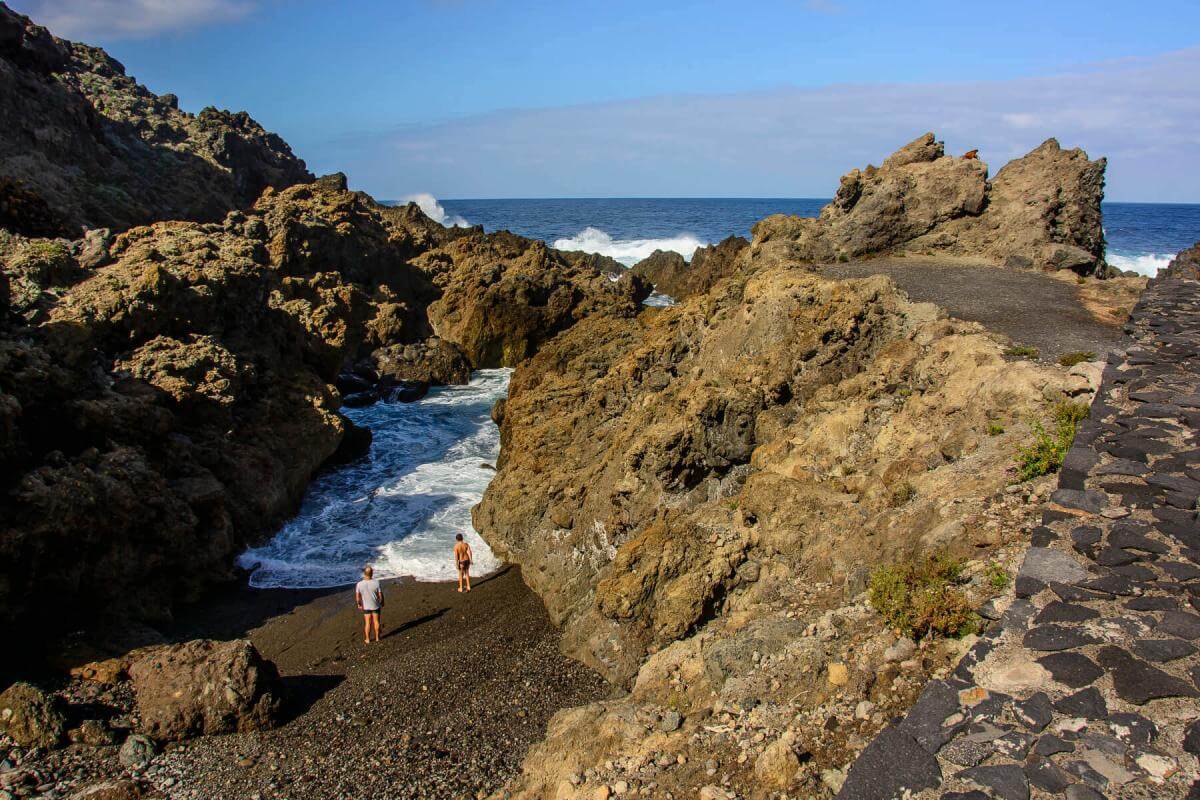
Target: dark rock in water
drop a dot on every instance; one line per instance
(356, 443)
(176, 694)
(404, 391)
(351, 383)
(30, 717)
(361, 399)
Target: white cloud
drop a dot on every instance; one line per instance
(1143, 114)
(88, 20)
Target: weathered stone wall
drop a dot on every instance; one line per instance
(1086, 686)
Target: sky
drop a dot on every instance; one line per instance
(670, 98)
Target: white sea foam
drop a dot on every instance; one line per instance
(433, 209)
(628, 251)
(399, 508)
(1143, 264)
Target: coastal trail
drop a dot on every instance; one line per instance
(1031, 308)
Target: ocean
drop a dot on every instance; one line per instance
(399, 508)
(1141, 236)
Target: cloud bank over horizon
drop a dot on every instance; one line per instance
(792, 142)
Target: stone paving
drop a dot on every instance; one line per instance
(1087, 684)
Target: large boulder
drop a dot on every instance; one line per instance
(31, 717)
(205, 687)
(1041, 210)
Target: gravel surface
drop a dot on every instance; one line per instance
(445, 706)
(1031, 308)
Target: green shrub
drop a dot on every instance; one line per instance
(919, 598)
(1077, 357)
(901, 494)
(1022, 351)
(996, 575)
(1049, 448)
(995, 429)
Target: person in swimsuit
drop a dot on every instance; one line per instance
(462, 560)
(368, 595)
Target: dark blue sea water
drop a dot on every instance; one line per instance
(1141, 236)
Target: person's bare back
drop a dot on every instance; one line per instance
(462, 561)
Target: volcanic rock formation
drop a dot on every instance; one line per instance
(1041, 210)
(169, 392)
(676, 278)
(83, 144)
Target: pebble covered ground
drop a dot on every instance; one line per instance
(1089, 685)
(445, 706)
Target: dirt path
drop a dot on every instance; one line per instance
(1031, 308)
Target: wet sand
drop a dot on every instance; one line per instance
(445, 706)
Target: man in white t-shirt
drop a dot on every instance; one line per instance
(368, 594)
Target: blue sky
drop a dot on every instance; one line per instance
(485, 98)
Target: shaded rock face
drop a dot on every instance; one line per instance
(30, 717)
(83, 144)
(503, 296)
(673, 276)
(1041, 210)
(205, 687)
(1185, 265)
(656, 471)
(167, 393)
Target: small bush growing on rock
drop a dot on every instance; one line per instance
(918, 598)
(1022, 351)
(901, 494)
(1077, 357)
(995, 429)
(1049, 448)
(995, 575)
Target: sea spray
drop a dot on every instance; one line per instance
(400, 507)
(627, 251)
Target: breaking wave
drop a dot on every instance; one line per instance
(433, 209)
(628, 251)
(399, 508)
(1144, 264)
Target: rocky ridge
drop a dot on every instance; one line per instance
(168, 392)
(673, 276)
(82, 144)
(1040, 211)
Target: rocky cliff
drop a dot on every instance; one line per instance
(673, 276)
(694, 490)
(1041, 210)
(168, 392)
(83, 144)
(1185, 265)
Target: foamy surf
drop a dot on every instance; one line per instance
(399, 508)
(434, 210)
(627, 251)
(1143, 264)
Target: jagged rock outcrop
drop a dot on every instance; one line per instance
(1185, 265)
(167, 393)
(83, 144)
(652, 468)
(503, 296)
(699, 495)
(673, 276)
(1041, 210)
(205, 687)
